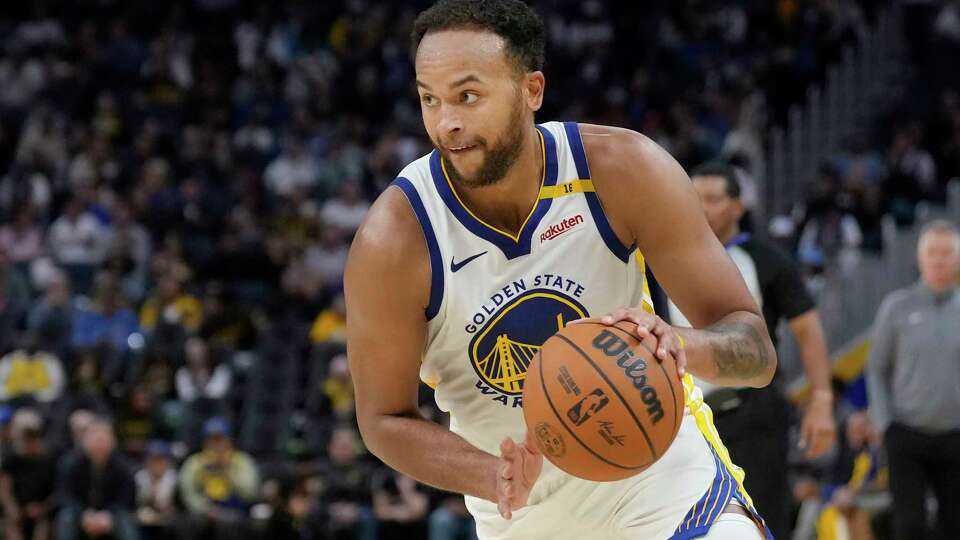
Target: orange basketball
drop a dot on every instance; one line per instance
(600, 405)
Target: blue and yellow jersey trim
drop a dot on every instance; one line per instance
(514, 237)
(570, 187)
(728, 474)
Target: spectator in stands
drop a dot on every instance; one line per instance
(346, 497)
(338, 388)
(292, 173)
(87, 388)
(129, 251)
(12, 311)
(330, 324)
(201, 387)
(217, 486)
(78, 242)
(346, 210)
(399, 506)
(452, 521)
(754, 422)
(97, 489)
(15, 283)
(51, 316)
(171, 305)
(138, 422)
(22, 240)
(107, 323)
(32, 374)
(156, 488)
(27, 481)
(913, 380)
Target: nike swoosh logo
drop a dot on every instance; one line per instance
(456, 266)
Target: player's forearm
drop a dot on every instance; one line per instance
(734, 351)
(431, 454)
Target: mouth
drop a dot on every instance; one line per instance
(461, 149)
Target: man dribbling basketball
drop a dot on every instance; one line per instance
(505, 233)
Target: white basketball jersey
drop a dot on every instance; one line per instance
(497, 297)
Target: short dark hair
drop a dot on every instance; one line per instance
(514, 21)
(724, 170)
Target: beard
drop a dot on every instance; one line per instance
(497, 160)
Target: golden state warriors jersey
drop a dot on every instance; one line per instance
(495, 298)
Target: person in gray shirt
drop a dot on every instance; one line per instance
(913, 377)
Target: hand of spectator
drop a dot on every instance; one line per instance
(818, 431)
(344, 512)
(88, 522)
(35, 510)
(842, 498)
(105, 520)
(406, 485)
(298, 506)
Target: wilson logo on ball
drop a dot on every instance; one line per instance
(635, 368)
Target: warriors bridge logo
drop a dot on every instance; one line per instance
(503, 348)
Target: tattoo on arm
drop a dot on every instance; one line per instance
(740, 352)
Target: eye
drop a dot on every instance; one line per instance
(428, 100)
(469, 97)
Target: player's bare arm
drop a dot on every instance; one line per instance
(387, 285)
(651, 203)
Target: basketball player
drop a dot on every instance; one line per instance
(505, 233)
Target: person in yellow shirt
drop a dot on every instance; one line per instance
(217, 485)
(173, 305)
(331, 323)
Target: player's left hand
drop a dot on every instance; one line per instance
(667, 343)
(818, 431)
(517, 471)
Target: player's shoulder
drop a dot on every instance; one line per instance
(624, 160)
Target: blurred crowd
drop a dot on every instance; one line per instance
(179, 184)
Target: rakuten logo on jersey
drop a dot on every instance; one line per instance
(557, 229)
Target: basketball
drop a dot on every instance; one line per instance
(599, 404)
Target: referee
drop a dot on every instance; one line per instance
(753, 422)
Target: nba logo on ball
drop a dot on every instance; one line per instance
(586, 407)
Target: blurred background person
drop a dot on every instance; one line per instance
(97, 489)
(913, 382)
(27, 482)
(217, 486)
(156, 492)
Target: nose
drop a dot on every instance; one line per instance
(450, 121)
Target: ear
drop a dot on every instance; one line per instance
(532, 87)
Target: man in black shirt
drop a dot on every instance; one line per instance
(26, 485)
(98, 489)
(753, 422)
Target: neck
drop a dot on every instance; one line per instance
(939, 288)
(507, 203)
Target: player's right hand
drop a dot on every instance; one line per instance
(517, 470)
